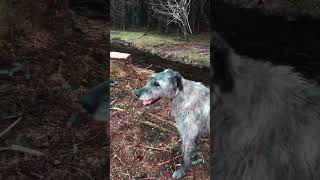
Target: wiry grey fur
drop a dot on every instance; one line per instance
(266, 120)
(190, 105)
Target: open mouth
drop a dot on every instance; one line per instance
(150, 101)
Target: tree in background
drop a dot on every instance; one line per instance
(19, 17)
(138, 14)
(174, 11)
(117, 10)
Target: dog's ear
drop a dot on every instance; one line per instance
(221, 64)
(176, 79)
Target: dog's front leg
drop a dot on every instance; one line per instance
(188, 147)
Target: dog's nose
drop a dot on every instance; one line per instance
(138, 92)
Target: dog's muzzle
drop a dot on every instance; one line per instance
(146, 101)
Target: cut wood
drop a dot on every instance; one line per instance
(119, 56)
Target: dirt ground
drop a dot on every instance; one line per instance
(52, 137)
(181, 51)
(195, 54)
(145, 143)
(184, 48)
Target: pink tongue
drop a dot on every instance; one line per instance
(146, 102)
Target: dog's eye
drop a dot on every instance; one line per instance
(156, 83)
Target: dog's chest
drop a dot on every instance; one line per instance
(184, 125)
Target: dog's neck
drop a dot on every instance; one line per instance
(177, 92)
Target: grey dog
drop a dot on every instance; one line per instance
(190, 102)
(266, 119)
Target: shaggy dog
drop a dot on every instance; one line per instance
(265, 118)
(190, 104)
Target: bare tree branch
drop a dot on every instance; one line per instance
(176, 11)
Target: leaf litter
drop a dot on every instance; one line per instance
(42, 76)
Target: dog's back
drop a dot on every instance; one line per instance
(267, 124)
(193, 99)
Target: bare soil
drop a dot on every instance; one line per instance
(185, 47)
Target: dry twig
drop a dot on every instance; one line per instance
(153, 148)
(148, 123)
(93, 137)
(118, 109)
(12, 116)
(163, 120)
(10, 127)
(166, 162)
(113, 101)
(19, 148)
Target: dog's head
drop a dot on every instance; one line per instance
(163, 84)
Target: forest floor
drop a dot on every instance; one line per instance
(44, 131)
(144, 139)
(195, 50)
